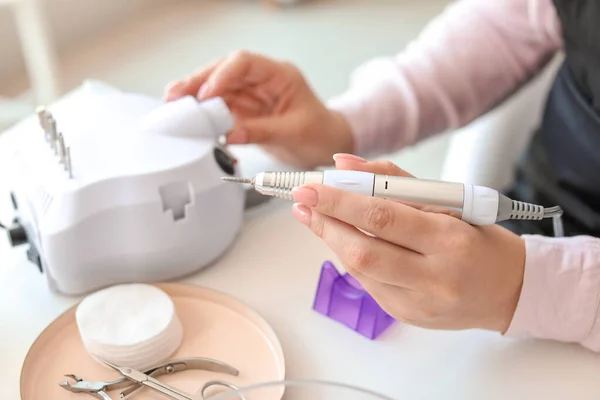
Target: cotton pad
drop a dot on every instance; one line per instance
(130, 325)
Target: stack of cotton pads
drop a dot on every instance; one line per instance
(132, 325)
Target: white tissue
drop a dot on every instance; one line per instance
(131, 325)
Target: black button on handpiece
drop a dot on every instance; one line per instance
(226, 163)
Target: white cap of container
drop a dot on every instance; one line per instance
(187, 117)
(219, 114)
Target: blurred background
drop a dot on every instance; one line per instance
(48, 47)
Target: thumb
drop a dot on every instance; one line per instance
(254, 131)
(351, 162)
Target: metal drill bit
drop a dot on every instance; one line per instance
(43, 119)
(61, 148)
(52, 132)
(234, 179)
(40, 110)
(68, 162)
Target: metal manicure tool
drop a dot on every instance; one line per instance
(477, 205)
(55, 139)
(99, 389)
(166, 389)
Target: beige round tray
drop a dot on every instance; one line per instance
(215, 326)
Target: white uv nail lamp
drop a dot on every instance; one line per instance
(131, 194)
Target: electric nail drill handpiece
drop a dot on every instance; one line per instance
(477, 205)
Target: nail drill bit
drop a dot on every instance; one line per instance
(247, 181)
(52, 132)
(43, 119)
(61, 148)
(68, 162)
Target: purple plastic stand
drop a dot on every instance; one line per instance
(343, 299)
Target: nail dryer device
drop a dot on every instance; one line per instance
(112, 187)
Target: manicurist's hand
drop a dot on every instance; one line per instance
(274, 107)
(426, 269)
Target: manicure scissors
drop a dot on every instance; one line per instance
(100, 389)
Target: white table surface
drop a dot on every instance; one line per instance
(274, 267)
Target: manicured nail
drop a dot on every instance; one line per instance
(202, 91)
(306, 196)
(302, 213)
(348, 157)
(173, 90)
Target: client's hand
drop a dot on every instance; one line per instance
(274, 107)
(424, 268)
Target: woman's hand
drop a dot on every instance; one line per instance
(274, 107)
(426, 269)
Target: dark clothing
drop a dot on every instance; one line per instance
(580, 22)
(562, 164)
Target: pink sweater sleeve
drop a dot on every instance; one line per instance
(560, 299)
(464, 63)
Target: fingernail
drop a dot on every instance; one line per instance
(173, 85)
(202, 91)
(173, 90)
(238, 136)
(302, 213)
(349, 157)
(306, 196)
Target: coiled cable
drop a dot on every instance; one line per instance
(531, 212)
